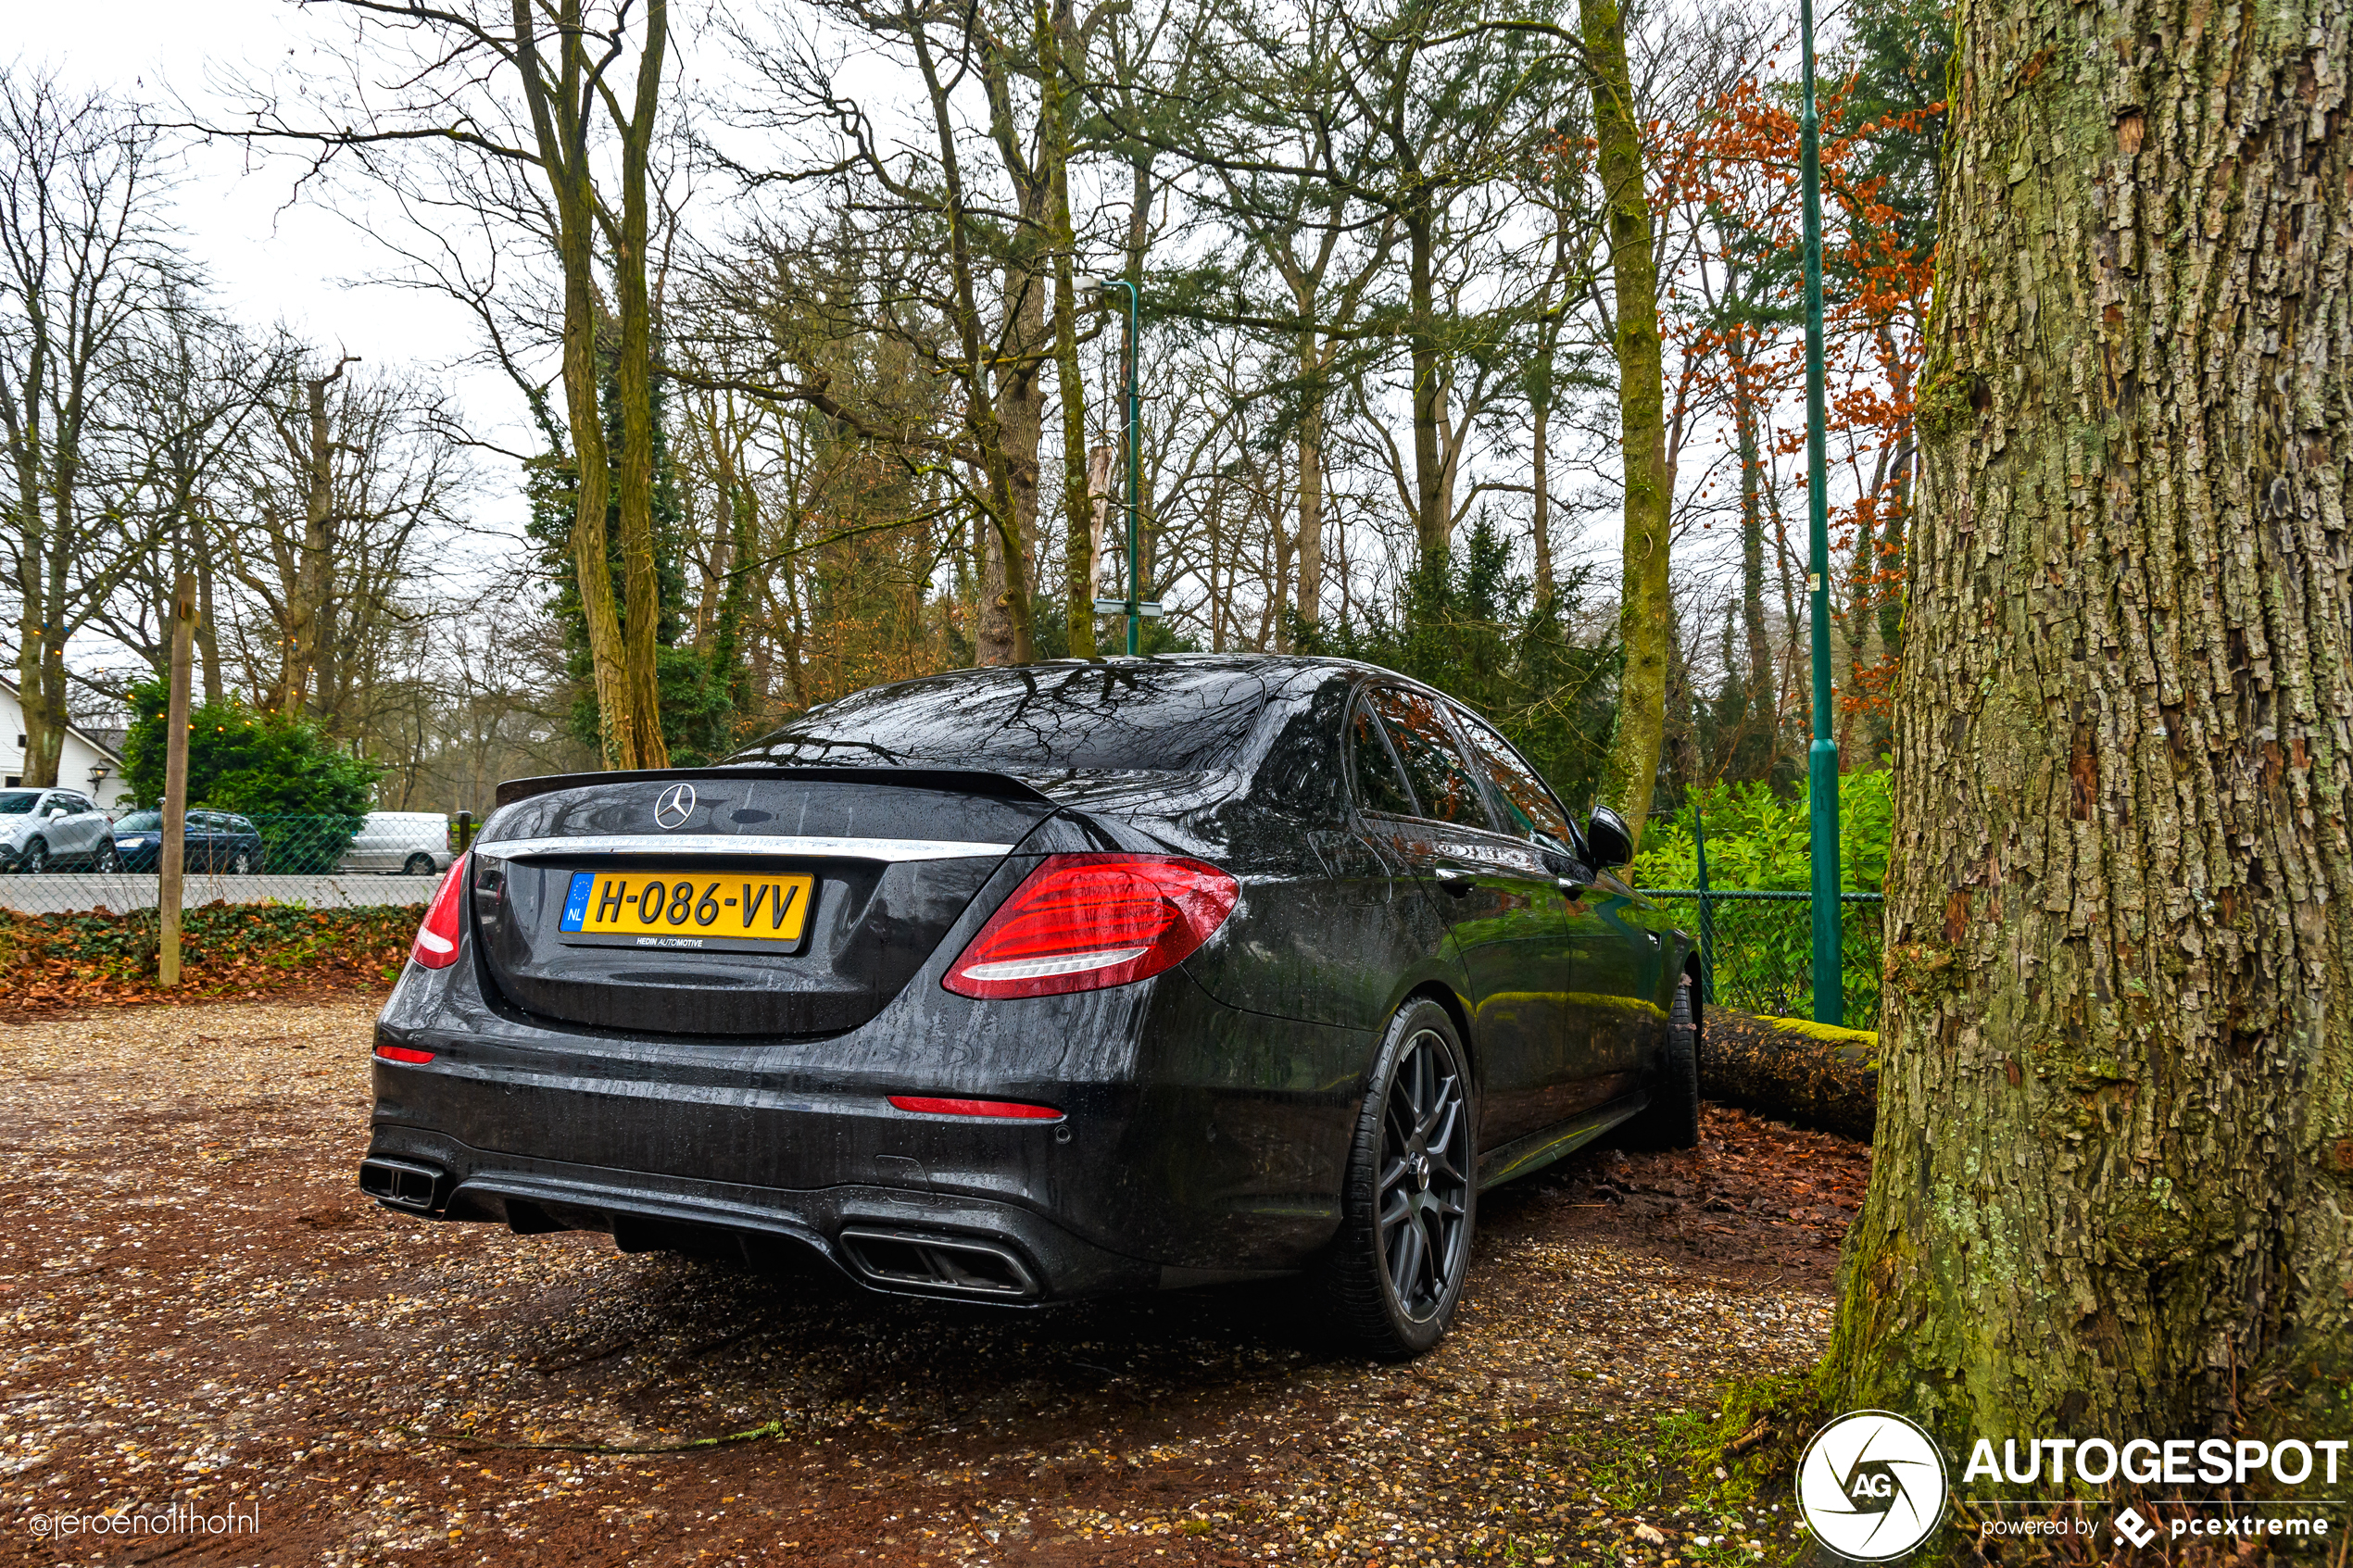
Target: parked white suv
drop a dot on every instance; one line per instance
(44, 829)
(403, 843)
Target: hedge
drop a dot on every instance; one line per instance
(49, 962)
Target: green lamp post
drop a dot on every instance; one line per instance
(1134, 605)
(1822, 758)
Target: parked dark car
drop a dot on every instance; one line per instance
(1013, 985)
(216, 841)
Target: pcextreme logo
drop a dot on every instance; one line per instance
(1872, 1486)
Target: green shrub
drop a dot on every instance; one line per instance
(253, 763)
(1757, 839)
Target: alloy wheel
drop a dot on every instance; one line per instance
(36, 857)
(1423, 1196)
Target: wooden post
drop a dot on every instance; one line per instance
(173, 854)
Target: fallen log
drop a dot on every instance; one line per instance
(1814, 1074)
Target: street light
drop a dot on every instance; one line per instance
(1133, 605)
(1822, 758)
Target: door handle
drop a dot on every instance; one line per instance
(1453, 879)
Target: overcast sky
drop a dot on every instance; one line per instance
(269, 261)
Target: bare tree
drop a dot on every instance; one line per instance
(84, 258)
(539, 86)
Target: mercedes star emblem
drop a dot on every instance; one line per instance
(677, 804)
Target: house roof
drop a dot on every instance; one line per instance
(102, 738)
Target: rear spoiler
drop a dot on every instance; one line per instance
(960, 780)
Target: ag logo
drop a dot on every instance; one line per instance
(677, 803)
(1872, 1486)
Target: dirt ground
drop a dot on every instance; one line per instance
(201, 1313)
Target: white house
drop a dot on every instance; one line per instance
(89, 762)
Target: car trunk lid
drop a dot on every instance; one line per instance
(757, 902)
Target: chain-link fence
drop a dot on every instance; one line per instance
(1756, 949)
(321, 862)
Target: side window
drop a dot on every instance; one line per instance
(1380, 787)
(1441, 780)
(1534, 813)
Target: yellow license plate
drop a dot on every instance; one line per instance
(670, 908)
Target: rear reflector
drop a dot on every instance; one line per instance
(437, 944)
(402, 1053)
(1082, 922)
(923, 1105)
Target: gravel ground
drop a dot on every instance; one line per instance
(201, 1311)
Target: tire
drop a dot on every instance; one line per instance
(419, 864)
(1409, 1200)
(1671, 1120)
(108, 859)
(241, 863)
(35, 859)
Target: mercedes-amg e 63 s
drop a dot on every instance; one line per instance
(1021, 983)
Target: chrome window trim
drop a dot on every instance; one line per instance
(696, 844)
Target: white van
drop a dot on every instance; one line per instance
(403, 843)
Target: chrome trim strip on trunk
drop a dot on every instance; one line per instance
(698, 843)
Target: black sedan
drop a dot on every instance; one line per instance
(1015, 985)
(215, 841)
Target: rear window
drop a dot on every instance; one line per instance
(1152, 718)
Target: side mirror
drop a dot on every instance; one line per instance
(1606, 836)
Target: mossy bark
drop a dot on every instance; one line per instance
(1815, 1074)
(1645, 618)
(2111, 1193)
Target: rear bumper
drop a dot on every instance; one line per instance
(850, 1227)
(1197, 1143)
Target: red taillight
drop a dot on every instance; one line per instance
(925, 1106)
(437, 942)
(403, 1053)
(1082, 922)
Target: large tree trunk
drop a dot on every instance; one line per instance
(1430, 516)
(556, 111)
(207, 635)
(1060, 49)
(310, 590)
(1311, 479)
(641, 588)
(2114, 1186)
(1540, 481)
(1630, 770)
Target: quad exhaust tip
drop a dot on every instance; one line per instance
(928, 1262)
(405, 1184)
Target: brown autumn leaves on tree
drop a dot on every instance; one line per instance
(2113, 1191)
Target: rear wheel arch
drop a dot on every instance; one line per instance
(1458, 1013)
